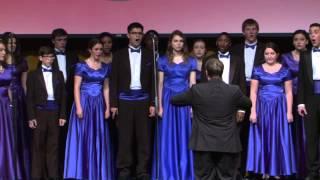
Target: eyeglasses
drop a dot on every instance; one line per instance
(49, 56)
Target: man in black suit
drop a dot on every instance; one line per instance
(215, 139)
(65, 62)
(46, 112)
(251, 52)
(132, 98)
(309, 99)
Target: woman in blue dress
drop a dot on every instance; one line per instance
(173, 160)
(88, 147)
(19, 68)
(291, 61)
(10, 163)
(270, 148)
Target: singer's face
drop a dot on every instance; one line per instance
(47, 59)
(12, 44)
(300, 42)
(199, 49)
(2, 52)
(60, 42)
(270, 56)
(96, 51)
(250, 33)
(135, 37)
(223, 43)
(177, 43)
(314, 33)
(107, 44)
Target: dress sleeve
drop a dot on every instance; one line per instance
(161, 63)
(255, 73)
(288, 75)
(193, 63)
(79, 69)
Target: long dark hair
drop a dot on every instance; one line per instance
(17, 53)
(170, 49)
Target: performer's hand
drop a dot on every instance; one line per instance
(79, 113)
(302, 111)
(114, 112)
(160, 112)
(240, 116)
(62, 122)
(107, 114)
(33, 123)
(152, 111)
(290, 117)
(253, 117)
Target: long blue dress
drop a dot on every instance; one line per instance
(21, 122)
(175, 159)
(298, 126)
(270, 148)
(10, 164)
(88, 147)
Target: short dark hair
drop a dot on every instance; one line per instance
(105, 34)
(300, 31)
(224, 34)
(214, 67)
(249, 22)
(58, 32)
(152, 31)
(45, 50)
(134, 25)
(314, 25)
(272, 46)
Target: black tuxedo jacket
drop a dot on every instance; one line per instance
(236, 73)
(214, 127)
(121, 75)
(37, 92)
(259, 57)
(305, 78)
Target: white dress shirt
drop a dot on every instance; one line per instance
(226, 65)
(135, 66)
(315, 65)
(249, 55)
(62, 61)
(48, 82)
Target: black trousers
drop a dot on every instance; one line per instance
(215, 165)
(312, 129)
(134, 139)
(45, 146)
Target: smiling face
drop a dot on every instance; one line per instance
(135, 37)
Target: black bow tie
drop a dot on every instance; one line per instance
(46, 70)
(315, 49)
(250, 46)
(135, 50)
(60, 53)
(224, 56)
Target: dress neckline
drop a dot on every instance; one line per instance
(93, 68)
(272, 73)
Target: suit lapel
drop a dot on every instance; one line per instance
(309, 65)
(68, 63)
(54, 81)
(143, 62)
(126, 62)
(232, 68)
(41, 79)
(256, 56)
